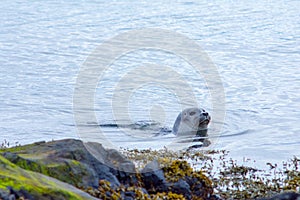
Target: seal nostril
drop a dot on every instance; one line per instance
(205, 114)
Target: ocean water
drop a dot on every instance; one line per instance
(255, 47)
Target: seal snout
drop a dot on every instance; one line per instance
(205, 114)
(204, 118)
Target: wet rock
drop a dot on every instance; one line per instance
(129, 195)
(153, 177)
(113, 156)
(215, 197)
(196, 185)
(284, 196)
(126, 173)
(19, 194)
(182, 187)
(128, 198)
(5, 195)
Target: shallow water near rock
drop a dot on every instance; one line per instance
(254, 45)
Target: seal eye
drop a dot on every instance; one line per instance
(192, 113)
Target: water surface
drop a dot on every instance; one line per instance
(254, 45)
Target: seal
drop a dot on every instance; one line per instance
(192, 122)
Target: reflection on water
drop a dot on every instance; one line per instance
(255, 46)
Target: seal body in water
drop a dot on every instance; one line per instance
(192, 122)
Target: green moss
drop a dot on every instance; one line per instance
(4, 163)
(61, 170)
(37, 157)
(18, 149)
(75, 162)
(34, 183)
(33, 156)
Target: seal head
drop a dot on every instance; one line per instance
(192, 121)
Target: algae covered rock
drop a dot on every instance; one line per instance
(66, 160)
(102, 173)
(68, 171)
(182, 175)
(176, 178)
(16, 182)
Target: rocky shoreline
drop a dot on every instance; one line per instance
(64, 169)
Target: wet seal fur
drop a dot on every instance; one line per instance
(193, 122)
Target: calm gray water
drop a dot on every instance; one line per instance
(254, 45)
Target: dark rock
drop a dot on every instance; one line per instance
(11, 156)
(103, 172)
(4, 195)
(20, 194)
(130, 194)
(114, 156)
(99, 163)
(284, 196)
(144, 191)
(127, 174)
(182, 187)
(214, 197)
(153, 177)
(127, 167)
(108, 194)
(195, 185)
(128, 198)
(40, 142)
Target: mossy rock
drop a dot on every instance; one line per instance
(69, 171)
(66, 160)
(37, 185)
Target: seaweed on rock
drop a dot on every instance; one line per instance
(138, 174)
